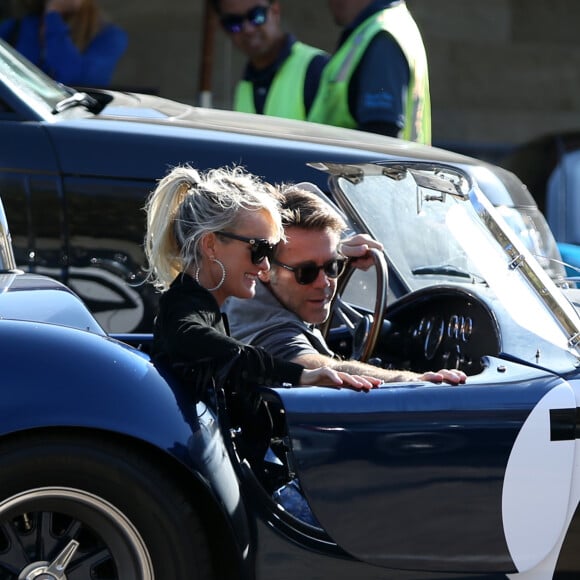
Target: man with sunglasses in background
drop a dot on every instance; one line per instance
(282, 74)
(295, 295)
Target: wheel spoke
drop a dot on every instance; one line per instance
(45, 541)
(58, 566)
(15, 554)
(99, 560)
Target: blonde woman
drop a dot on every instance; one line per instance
(208, 237)
(70, 40)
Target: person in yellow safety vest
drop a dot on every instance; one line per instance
(282, 74)
(377, 80)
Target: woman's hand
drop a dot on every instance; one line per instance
(329, 377)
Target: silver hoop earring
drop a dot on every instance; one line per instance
(220, 283)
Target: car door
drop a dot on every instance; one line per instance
(418, 476)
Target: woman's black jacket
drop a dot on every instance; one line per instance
(191, 334)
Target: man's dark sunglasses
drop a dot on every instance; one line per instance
(256, 16)
(308, 272)
(260, 249)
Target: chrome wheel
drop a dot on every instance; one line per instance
(55, 533)
(77, 507)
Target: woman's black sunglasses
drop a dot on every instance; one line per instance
(260, 249)
(256, 16)
(308, 272)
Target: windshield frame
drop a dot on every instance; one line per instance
(517, 257)
(30, 87)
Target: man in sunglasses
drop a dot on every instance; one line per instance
(282, 74)
(296, 293)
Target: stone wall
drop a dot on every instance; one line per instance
(502, 71)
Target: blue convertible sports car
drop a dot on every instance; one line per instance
(110, 470)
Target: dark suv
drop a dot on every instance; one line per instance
(76, 167)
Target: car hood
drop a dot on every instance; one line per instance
(173, 130)
(153, 110)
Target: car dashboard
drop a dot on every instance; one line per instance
(432, 329)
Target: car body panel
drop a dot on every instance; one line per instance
(58, 306)
(440, 468)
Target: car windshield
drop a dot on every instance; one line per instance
(30, 83)
(437, 226)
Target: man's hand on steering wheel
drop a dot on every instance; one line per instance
(357, 247)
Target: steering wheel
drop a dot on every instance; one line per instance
(363, 328)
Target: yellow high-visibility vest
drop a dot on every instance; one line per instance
(331, 103)
(286, 94)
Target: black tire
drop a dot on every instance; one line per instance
(130, 521)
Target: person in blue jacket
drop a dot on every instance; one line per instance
(70, 40)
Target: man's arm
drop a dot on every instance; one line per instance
(309, 361)
(378, 87)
